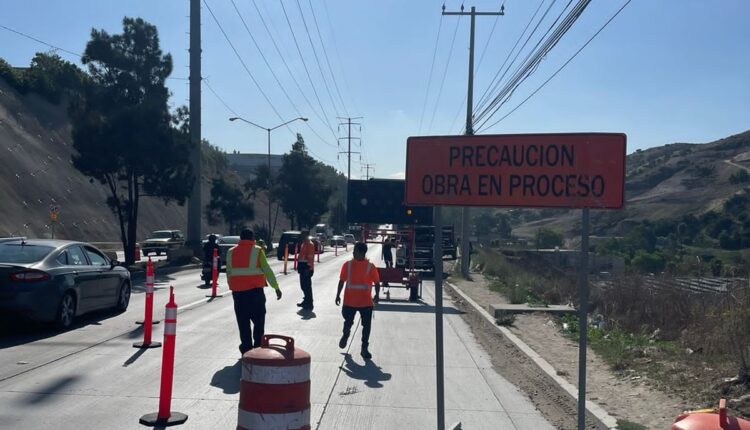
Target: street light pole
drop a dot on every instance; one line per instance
(269, 245)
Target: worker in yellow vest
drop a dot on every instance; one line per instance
(359, 276)
(247, 273)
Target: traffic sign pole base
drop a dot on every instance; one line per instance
(140, 322)
(152, 420)
(147, 345)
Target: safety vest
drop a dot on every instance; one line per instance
(244, 271)
(307, 253)
(359, 294)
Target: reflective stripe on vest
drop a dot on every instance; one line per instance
(253, 265)
(357, 295)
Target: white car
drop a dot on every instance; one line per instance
(349, 238)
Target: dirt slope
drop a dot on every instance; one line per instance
(36, 172)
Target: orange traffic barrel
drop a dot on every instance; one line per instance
(710, 420)
(275, 387)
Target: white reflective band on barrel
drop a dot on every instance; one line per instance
(170, 328)
(170, 314)
(275, 375)
(293, 420)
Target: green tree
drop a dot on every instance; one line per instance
(52, 77)
(302, 193)
(123, 132)
(230, 204)
(548, 238)
(739, 177)
(648, 262)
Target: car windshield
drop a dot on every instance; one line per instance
(161, 235)
(230, 240)
(19, 253)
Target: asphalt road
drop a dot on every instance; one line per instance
(92, 377)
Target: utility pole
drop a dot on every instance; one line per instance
(349, 138)
(465, 218)
(195, 221)
(438, 250)
(368, 167)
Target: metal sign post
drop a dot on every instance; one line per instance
(583, 298)
(437, 258)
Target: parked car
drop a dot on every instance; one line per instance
(338, 241)
(289, 240)
(162, 241)
(349, 238)
(204, 241)
(58, 280)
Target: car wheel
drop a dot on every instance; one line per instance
(66, 311)
(123, 300)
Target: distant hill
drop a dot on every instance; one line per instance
(664, 182)
(36, 172)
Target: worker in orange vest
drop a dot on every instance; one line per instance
(247, 273)
(359, 276)
(305, 268)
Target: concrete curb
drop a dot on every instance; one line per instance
(597, 412)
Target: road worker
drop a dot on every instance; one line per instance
(305, 268)
(359, 276)
(388, 252)
(247, 273)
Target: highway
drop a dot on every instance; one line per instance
(92, 377)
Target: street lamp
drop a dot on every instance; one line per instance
(269, 130)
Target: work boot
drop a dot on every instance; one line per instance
(344, 339)
(365, 353)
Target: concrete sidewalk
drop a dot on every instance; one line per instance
(109, 385)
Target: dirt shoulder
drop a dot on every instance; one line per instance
(622, 395)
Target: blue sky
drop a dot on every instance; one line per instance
(663, 71)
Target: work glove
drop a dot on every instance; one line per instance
(338, 300)
(278, 294)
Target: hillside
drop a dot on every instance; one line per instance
(661, 183)
(36, 172)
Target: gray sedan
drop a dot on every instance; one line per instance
(57, 280)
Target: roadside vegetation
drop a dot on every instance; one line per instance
(690, 344)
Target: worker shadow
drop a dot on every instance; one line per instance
(306, 314)
(371, 373)
(228, 378)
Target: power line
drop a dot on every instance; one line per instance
(317, 59)
(20, 33)
(490, 87)
(304, 64)
(429, 77)
(291, 75)
(244, 65)
(561, 67)
(221, 100)
(338, 57)
(529, 66)
(276, 78)
(325, 55)
(445, 73)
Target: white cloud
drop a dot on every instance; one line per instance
(397, 175)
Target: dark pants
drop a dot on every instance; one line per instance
(388, 261)
(365, 313)
(305, 282)
(250, 306)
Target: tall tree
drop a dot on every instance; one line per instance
(122, 127)
(302, 193)
(229, 203)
